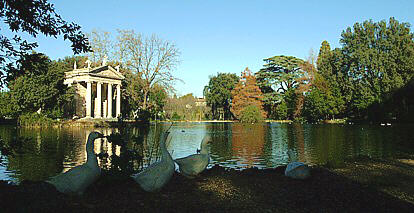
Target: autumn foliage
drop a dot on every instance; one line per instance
(246, 93)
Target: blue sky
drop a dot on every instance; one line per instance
(226, 36)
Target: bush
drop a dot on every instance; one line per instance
(143, 116)
(175, 117)
(7, 108)
(35, 119)
(251, 114)
(280, 112)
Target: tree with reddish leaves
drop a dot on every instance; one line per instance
(246, 93)
(305, 82)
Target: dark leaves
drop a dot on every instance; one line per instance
(35, 17)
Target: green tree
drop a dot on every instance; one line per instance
(7, 108)
(41, 86)
(377, 59)
(323, 62)
(251, 114)
(34, 17)
(279, 75)
(218, 93)
(324, 99)
(157, 100)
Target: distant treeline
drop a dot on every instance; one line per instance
(368, 78)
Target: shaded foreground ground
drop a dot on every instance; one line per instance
(363, 186)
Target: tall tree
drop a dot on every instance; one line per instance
(218, 93)
(246, 93)
(324, 59)
(102, 45)
(151, 58)
(278, 77)
(305, 83)
(34, 17)
(377, 58)
(324, 99)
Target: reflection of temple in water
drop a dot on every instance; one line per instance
(101, 145)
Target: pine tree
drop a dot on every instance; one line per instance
(247, 93)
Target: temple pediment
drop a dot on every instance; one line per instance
(103, 74)
(107, 71)
(102, 71)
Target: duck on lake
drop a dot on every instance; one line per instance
(193, 165)
(155, 176)
(77, 179)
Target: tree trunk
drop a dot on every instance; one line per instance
(144, 104)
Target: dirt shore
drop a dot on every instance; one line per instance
(361, 186)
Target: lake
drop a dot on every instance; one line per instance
(41, 153)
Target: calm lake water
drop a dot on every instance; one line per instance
(41, 153)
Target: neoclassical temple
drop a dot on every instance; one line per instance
(97, 90)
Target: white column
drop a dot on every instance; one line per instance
(105, 108)
(88, 99)
(118, 100)
(109, 114)
(99, 99)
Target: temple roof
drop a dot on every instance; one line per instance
(105, 72)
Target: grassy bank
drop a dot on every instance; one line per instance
(224, 190)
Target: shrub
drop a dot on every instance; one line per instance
(280, 112)
(175, 117)
(251, 114)
(143, 116)
(35, 119)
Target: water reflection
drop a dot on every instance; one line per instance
(42, 153)
(247, 143)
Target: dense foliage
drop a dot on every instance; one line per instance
(251, 114)
(247, 93)
(218, 94)
(278, 80)
(375, 61)
(36, 85)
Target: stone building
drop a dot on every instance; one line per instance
(98, 90)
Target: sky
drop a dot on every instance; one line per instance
(225, 36)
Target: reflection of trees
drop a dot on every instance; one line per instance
(276, 149)
(300, 142)
(221, 146)
(328, 142)
(248, 142)
(38, 154)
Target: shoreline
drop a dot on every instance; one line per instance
(351, 189)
